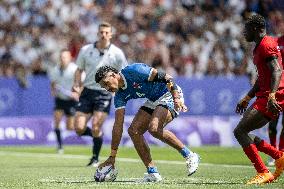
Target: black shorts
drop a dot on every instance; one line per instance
(68, 106)
(94, 100)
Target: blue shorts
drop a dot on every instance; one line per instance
(94, 100)
(68, 106)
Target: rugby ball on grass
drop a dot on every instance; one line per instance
(106, 174)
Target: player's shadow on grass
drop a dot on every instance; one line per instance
(74, 182)
(48, 166)
(85, 181)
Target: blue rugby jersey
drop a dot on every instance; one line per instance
(136, 85)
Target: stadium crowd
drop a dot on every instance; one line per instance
(183, 37)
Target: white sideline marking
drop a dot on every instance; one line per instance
(131, 160)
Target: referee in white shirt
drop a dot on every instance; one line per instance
(62, 77)
(94, 100)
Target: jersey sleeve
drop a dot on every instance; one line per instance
(270, 49)
(280, 43)
(80, 62)
(119, 101)
(138, 72)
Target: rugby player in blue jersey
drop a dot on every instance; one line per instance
(164, 102)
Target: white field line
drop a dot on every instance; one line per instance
(130, 160)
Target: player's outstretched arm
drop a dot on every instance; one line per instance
(276, 72)
(243, 103)
(116, 136)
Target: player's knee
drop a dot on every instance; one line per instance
(256, 140)
(79, 131)
(154, 132)
(70, 126)
(237, 132)
(131, 131)
(96, 131)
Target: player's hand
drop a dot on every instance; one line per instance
(75, 96)
(109, 161)
(179, 105)
(168, 77)
(76, 88)
(272, 105)
(242, 105)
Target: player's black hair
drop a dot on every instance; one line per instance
(256, 20)
(102, 71)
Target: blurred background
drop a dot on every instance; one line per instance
(199, 42)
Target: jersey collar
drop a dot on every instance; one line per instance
(107, 48)
(101, 51)
(125, 83)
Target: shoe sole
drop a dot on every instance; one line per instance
(192, 173)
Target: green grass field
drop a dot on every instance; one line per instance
(41, 167)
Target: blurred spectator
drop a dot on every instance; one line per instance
(182, 37)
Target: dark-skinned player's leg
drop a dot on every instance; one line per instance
(160, 118)
(272, 131)
(252, 120)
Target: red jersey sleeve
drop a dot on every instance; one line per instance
(270, 48)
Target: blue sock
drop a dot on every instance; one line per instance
(185, 152)
(152, 170)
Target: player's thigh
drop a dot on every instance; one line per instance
(58, 114)
(70, 120)
(98, 119)
(140, 122)
(160, 117)
(97, 122)
(252, 119)
(81, 120)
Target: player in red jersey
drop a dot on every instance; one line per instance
(269, 92)
(272, 128)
